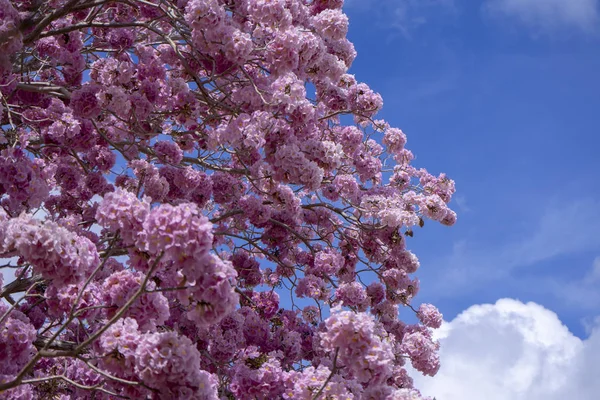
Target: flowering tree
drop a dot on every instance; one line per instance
(168, 170)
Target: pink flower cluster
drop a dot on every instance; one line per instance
(180, 237)
(422, 350)
(180, 232)
(16, 340)
(12, 39)
(22, 180)
(166, 362)
(54, 252)
(149, 310)
(361, 345)
(430, 316)
(122, 212)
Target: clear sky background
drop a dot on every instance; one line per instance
(503, 96)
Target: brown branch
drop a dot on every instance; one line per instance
(20, 285)
(333, 371)
(68, 8)
(42, 342)
(45, 87)
(72, 382)
(123, 309)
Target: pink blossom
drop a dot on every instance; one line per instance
(122, 211)
(149, 310)
(331, 24)
(56, 253)
(84, 102)
(430, 316)
(16, 341)
(180, 232)
(353, 294)
(422, 351)
(363, 348)
(312, 286)
(171, 364)
(168, 152)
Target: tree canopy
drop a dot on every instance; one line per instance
(198, 202)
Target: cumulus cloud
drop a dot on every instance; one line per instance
(593, 275)
(512, 350)
(547, 14)
(475, 264)
(405, 15)
(581, 294)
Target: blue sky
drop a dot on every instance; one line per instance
(503, 96)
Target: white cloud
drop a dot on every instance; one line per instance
(546, 15)
(410, 14)
(561, 229)
(594, 275)
(511, 350)
(578, 293)
(461, 203)
(405, 15)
